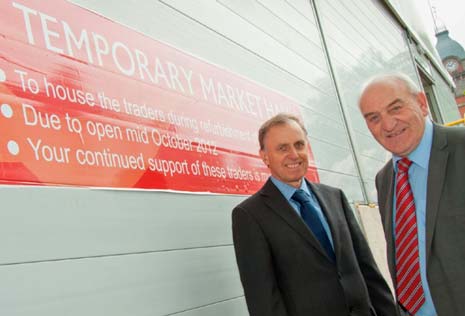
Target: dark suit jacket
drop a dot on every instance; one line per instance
(285, 271)
(445, 219)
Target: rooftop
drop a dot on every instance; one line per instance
(447, 47)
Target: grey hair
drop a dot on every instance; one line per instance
(398, 77)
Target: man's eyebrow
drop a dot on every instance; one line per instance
(365, 115)
(395, 101)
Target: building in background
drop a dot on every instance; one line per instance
(128, 134)
(453, 57)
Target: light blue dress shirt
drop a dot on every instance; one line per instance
(418, 178)
(288, 191)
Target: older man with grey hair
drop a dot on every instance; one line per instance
(421, 196)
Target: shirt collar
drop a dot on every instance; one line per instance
(420, 156)
(287, 190)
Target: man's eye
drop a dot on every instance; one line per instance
(373, 118)
(395, 109)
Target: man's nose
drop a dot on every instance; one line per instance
(293, 153)
(388, 122)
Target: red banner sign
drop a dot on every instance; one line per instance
(88, 102)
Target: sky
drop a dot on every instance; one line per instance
(452, 15)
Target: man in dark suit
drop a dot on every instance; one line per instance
(425, 177)
(298, 246)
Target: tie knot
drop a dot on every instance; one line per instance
(404, 164)
(300, 196)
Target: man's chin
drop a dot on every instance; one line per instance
(295, 179)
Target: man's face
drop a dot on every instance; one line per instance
(285, 152)
(395, 116)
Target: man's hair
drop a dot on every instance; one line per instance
(279, 119)
(398, 77)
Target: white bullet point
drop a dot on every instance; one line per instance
(13, 147)
(6, 110)
(2, 75)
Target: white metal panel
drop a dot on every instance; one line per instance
(302, 6)
(376, 22)
(371, 148)
(225, 22)
(358, 121)
(371, 191)
(279, 28)
(325, 104)
(142, 284)
(333, 158)
(372, 166)
(233, 307)
(302, 21)
(349, 184)
(326, 129)
(62, 223)
(359, 29)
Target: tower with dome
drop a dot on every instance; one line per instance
(453, 57)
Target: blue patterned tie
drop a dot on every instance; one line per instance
(310, 216)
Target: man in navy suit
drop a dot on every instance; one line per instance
(287, 266)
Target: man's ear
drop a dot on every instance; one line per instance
(423, 102)
(264, 156)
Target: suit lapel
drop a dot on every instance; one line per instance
(276, 202)
(386, 193)
(389, 219)
(436, 177)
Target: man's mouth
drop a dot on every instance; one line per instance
(293, 165)
(396, 133)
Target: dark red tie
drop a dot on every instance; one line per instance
(409, 290)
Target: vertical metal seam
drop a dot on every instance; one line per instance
(339, 99)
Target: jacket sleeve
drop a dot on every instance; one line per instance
(380, 294)
(255, 264)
